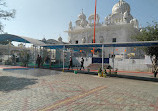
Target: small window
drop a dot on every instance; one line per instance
(113, 39)
(76, 41)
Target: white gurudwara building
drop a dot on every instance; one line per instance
(117, 27)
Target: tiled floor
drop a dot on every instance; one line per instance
(48, 90)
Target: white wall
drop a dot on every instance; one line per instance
(87, 61)
(122, 33)
(131, 65)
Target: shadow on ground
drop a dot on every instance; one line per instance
(136, 78)
(78, 71)
(119, 76)
(35, 72)
(9, 83)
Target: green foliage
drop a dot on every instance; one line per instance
(8, 62)
(149, 33)
(109, 67)
(5, 15)
(24, 56)
(105, 72)
(109, 71)
(116, 71)
(4, 42)
(99, 70)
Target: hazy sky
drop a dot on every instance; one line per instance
(50, 18)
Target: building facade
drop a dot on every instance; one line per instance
(119, 26)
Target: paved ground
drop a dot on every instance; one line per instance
(48, 90)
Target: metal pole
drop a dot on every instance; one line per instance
(102, 58)
(50, 64)
(63, 57)
(34, 51)
(8, 50)
(113, 58)
(35, 54)
(37, 50)
(40, 50)
(94, 23)
(95, 20)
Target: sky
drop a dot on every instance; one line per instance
(50, 18)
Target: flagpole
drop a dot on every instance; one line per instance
(94, 22)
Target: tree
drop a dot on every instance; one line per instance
(149, 33)
(5, 15)
(4, 42)
(25, 57)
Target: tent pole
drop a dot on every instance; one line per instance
(8, 50)
(40, 51)
(63, 57)
(113, 58)
(34, 56)
(102, 58)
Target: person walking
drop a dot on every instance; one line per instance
(82, 63)
(70, 63)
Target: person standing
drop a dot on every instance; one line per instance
(70, 63)
(13, 60)
(154, 63)
(82, 63)
(155, 72)
(38, 61)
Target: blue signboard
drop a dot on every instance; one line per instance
(99, 60)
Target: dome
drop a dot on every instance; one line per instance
(83, 23)
(78, 22)
(44, 40)
(82, 16)
(60, 39)
(91, 17)
(121, 7)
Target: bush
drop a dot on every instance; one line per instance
(105, 72)
(99, 70)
